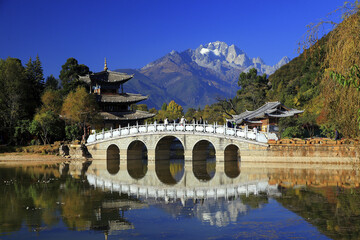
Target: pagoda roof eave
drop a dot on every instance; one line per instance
(126, 116)
(106, 77)
(121, 98)
(269, 109)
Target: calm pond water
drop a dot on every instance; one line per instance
(176, 200)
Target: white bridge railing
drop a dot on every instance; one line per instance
(213, 129)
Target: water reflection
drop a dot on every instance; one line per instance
(169, 160)
(137, 160)
(232, 161)
(113, 159)
(77, 197)
(204, 160)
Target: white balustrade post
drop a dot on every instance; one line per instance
(194, 125)
(95, 135)
(111, 132)
(174, 127)
(103, 133)
(224, 129)
(214, 131)
(204, 126)
(146, 126)
(246, 131)
(155, 125)
(137, 126)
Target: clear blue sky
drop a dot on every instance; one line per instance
(132, 33)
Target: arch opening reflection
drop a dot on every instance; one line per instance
(169, 160)
(232, 161)
(113, 159)
(137, 160)
(204, 160)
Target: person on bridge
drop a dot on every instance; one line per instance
(193, 120)
(182, 121)
(201, 121)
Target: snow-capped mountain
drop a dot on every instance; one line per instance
(194, 78)
(219, 57)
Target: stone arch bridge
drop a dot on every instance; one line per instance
(228, 143)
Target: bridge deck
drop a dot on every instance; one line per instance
(244, 135)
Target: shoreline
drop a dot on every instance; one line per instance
(20, 157)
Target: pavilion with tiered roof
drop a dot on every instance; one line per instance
(113, 101)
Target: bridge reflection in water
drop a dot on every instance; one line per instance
(170, 160)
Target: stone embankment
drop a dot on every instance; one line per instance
(319, 150)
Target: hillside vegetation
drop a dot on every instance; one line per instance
(306, 83)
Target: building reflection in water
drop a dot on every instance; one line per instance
(204, 160)
(327, 196)
(169, 160)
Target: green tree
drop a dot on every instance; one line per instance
(69, 75)
(47, 125)
(12, 96)
(174, 110)
(51, 83)
(51, 101)
(80, 107)
(34, 86)
(253, 89)
(164, 106)
(22, 134)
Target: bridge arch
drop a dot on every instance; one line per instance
(137, 159)
(204, 160)
(113, 159)
(232, 161)
(169, 160)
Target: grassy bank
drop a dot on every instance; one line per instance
(52, 149)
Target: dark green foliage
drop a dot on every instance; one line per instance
(48, 126)
(12, 96)
(34, 85)
(164, 106)
(51, 83)
(253, 90)
(69, 75)
(73, 132)
(293, 132)
(22, 134)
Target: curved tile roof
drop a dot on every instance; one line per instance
(138, 115)
(106, 76)
(121, 98)
(269, 109)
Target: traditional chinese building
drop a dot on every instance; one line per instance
(113, 101)
(266, 117)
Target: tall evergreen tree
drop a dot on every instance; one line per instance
(34, 86)
(51, 83)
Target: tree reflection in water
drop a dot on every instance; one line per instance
(169, 160)
(137, 160)
(232, 161)
(204, 160)
(39, 198)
